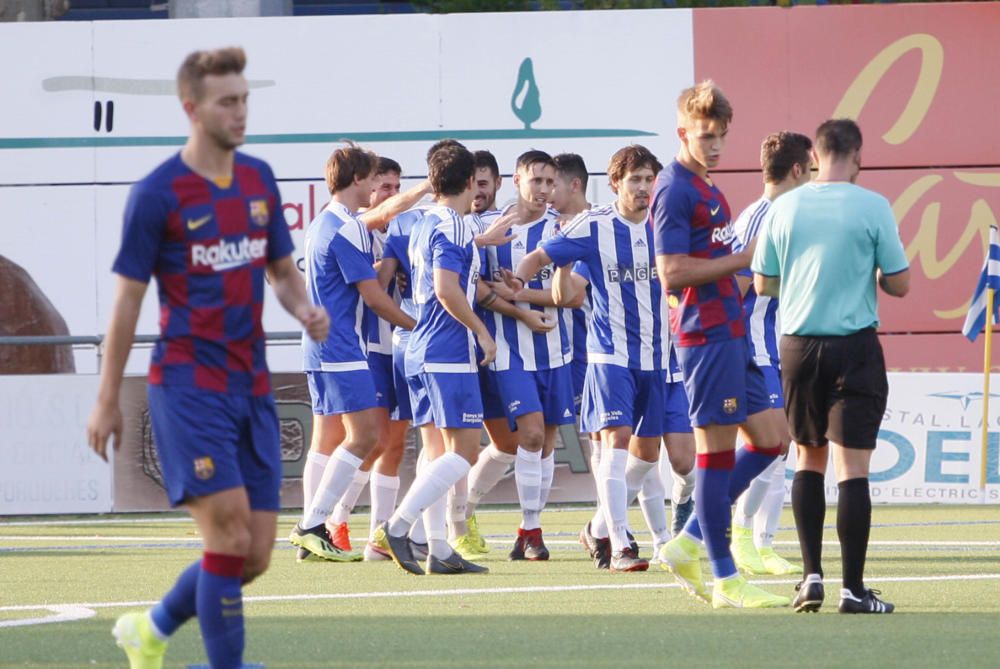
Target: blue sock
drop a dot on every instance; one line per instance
(712, 506)
(178, 605)
(220, 609)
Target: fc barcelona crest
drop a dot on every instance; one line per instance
(259, 213)
(204, 468)
(729, 405)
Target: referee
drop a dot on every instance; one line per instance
(825, 246)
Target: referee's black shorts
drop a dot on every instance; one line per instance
(835, 388)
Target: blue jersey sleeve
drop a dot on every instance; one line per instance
(571, 244)
(445, 254)
(581, 269)
(279, 239)
(672, 213)
(145, 223)
(395, 243)
(352, 252)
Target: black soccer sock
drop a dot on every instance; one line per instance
(854, 524)
(809, 508)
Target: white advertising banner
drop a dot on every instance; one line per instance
(46, 465)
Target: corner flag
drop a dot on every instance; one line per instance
(988, 278)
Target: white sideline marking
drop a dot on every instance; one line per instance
(61, 613)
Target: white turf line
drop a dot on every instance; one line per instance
(81, 611)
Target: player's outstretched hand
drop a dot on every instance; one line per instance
(105, 421)
(315, 321)
(538, 321)
(502, 290)
(489, 348)
(496, 234)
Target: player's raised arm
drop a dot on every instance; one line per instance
(380, 215)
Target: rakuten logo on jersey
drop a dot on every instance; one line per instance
(724, 234)
(225, 255)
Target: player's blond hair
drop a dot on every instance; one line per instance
(704, 101)
(200, 64)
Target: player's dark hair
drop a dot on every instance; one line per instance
(386, 165)
(200, 64)
(571, 166)
(533, 157)
(440, 144)
(486, 160)
(450, 170)
(629, 159)
(346, 164)
(780, 151)
(838, 138)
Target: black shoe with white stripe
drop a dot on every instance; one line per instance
(867, 603)
(809, 594)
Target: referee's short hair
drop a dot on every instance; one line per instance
(838, 138)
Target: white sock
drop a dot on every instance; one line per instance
(652, 498)
(636, 470)
(337, 477)
(417, 533)
(342, 512)
(548, 474)
(311, 475)
(683, 486)
(769, 515)
(489, 469)
(384, 490)
(752, 498)
(528, 477)
(613, 463)
(430, 485)
(434, 523)
(595, 457)
(458, 501)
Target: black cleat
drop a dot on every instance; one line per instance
(420, 551)
(602, 556)
(628, 560)
(454, 564)
(809, 595)
(632, 543)
(534, 546)
(681, 514)
(517, 552)
(398, 549)
(868, 603)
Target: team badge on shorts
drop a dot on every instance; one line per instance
(204, 468)
(729, 405)
(259, 213)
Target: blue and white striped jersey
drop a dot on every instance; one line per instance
(439, 343)
(338, 254)
(397, 246)
(379, 329)
(760, 312)
(629, 310)
(517, 346)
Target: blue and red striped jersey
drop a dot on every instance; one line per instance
(691, 216)
(208, 245)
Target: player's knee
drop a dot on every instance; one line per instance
(256, 564)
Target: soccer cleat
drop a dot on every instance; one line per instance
(340, 536)
(632, 543)
(809, 594)
(735, 592)
(374, 553)
(682, 512)
(656, 555)
(398, 549)
(317, 541)
(134, 634)
(420, 550)
(588, 540)
(775, 564)
(602, 556)
(627, 560)
(868, 603)
(679, 556)
(517, 552)
(744, 552)
(476, 536)
(454, 564)
(304, 555)
(466, 545)
(534, 546)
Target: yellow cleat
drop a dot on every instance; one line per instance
(481, 545)
(466, 546)
(734, 592)
(317, 541)
(134, 634)
(744, 552)
(680, 556)
(775, 564)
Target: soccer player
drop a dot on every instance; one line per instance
(340, 276)
(441, 361)
(825, 246)
(623, 391)
(725, 387)
(785, 159)
(208, 224)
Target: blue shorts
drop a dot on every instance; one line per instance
(490, 392)
(614, 396)
(446, 400)
(208, 442)
(402, 410)
(341, 392)
(578, 368)
(676, 409)
(549, 391)
(772, 379)
(380, 365)
(718, 392)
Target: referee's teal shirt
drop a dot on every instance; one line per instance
(825, 241)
